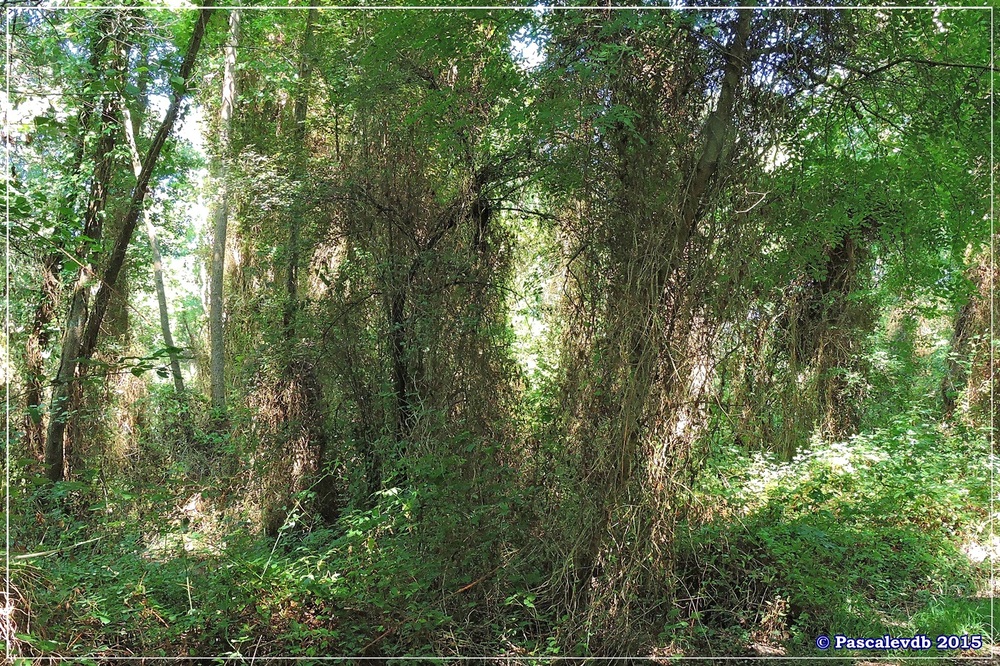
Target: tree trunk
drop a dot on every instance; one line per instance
(76, 322)
(161, 292)
(220, 222)
(117, 258)
(37, 343)
(327, 501)
(717, 135)
(161, 298)
(955, 376)
(645, 342)
(300, 110)
(400, 371)
(40, 334)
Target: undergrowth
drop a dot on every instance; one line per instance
(870, 536)
(874, 535)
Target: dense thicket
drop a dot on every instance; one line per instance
(497, 332)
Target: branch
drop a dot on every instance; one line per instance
(921, 61)
(45, 553)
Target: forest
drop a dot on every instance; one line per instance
(511, 335)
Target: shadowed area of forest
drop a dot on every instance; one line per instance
(512, 335)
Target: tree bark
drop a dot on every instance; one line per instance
(220, 222)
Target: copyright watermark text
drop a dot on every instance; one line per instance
(887, 642)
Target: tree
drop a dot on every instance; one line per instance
(74, 335)
(161, 292)
(82, 329)
(220, 222)
(38, 340)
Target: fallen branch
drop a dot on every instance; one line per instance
(29, 556)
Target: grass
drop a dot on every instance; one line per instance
(863, 538)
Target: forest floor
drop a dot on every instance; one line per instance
(885, 533)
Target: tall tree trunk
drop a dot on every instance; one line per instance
(36, 344)
(220, 222)
(298, 369)
(717, 136)
(40, 334)
(59, 408)
(301, 107)
(645, 342)
(161, 292)
(82, 330)
(161, 298)
(117, 258)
